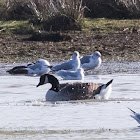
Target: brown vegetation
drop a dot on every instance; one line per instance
(117, 41)
(42, 9)
(113, 47)
(113, 8)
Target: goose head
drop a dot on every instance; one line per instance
(104, 91)
(47, 78)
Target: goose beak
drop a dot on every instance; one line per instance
(38, 85)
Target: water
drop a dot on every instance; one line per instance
(25, 115)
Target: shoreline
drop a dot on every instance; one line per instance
(106, 68)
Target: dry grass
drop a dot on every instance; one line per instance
(132, 5)
(45, 9)
(113, 8)
(48, 11)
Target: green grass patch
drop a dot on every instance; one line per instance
(110, 25)
(95, 25)
(15, 27)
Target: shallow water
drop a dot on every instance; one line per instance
(25, 114)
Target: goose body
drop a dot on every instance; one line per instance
(72, 91)
(71, 75)
(71, 65)
(93, 61)
(135, 115)
(40, 67)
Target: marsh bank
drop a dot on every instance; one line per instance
(123, 46)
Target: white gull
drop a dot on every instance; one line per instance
(42, 66)
(71, 75)
(71, 65)
(93, 61)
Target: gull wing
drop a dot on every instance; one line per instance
(64, 73)
(85, 59)
(64, 66)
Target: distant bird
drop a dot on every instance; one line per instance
(93, 61)
(40, 67)
(136, 116)
(74, 91)
(71, 65)
(71, 75)
(19, 70)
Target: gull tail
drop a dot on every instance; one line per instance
(110, 82)
(131, 110)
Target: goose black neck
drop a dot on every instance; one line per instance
(54, 82)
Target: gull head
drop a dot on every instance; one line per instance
(97, 54)
(43, 62)
(75, 55)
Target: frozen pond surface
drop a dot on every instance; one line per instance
(25, 114)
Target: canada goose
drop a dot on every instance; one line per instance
(74, 91)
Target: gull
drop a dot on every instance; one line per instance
(42, 66)
(74, 91)
(93, 61)
(71, 65)
(71, 75)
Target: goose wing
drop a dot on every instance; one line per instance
(80, 91)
